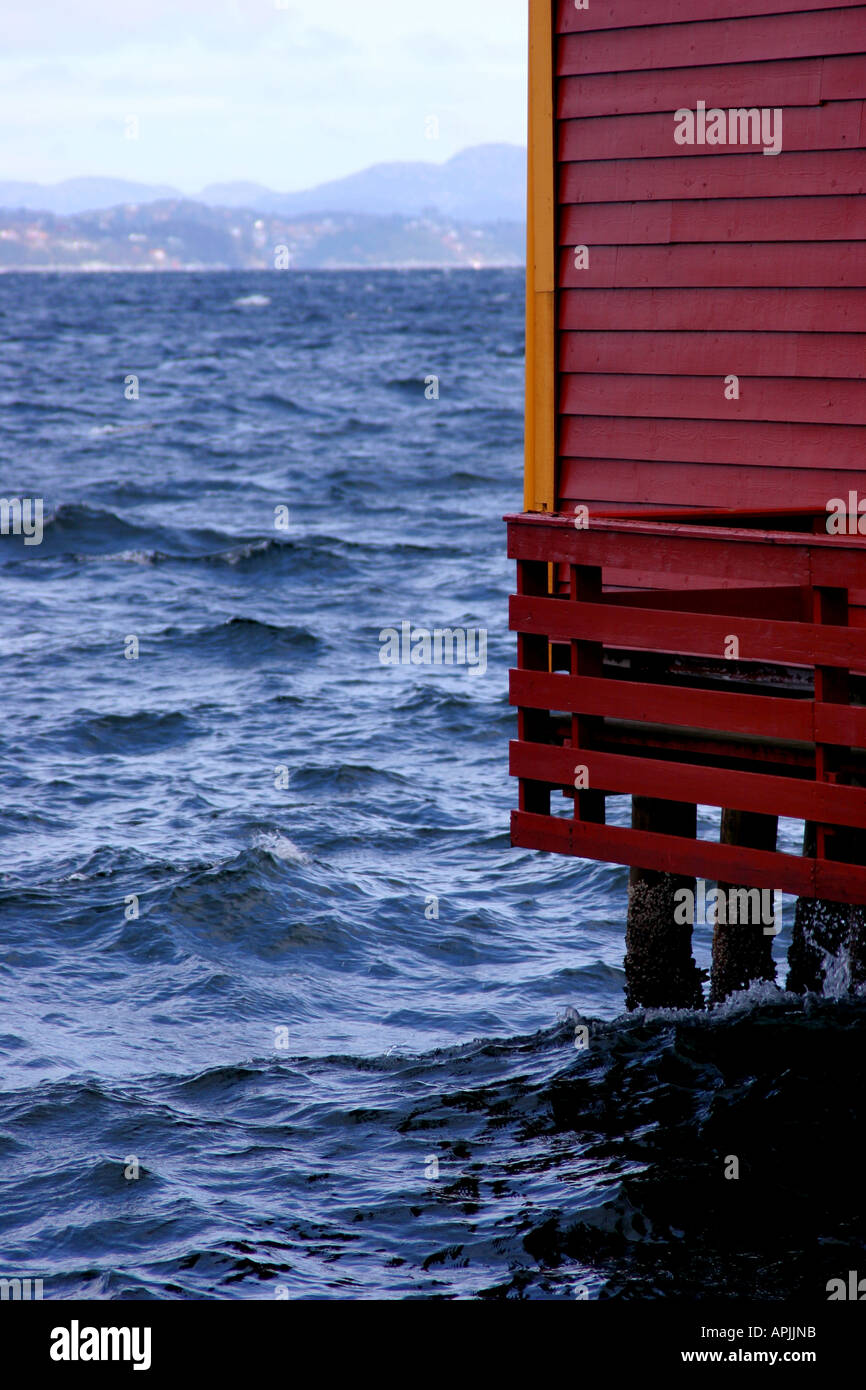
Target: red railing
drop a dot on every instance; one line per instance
(705, 658)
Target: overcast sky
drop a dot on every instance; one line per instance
(282, 92)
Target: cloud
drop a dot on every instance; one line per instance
(100, 26)
(228, 89)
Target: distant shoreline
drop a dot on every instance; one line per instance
(169, 237)
(450, 266)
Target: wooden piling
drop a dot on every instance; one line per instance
(660, 970)
(742, 952)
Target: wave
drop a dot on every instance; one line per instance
(80, 530)
(286, 403)
(410, 386)
(251, 638)
(558, 1173)
(88, 535)
(139, 732)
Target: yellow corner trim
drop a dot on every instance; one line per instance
(540, 438)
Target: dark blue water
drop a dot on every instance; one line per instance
(287, 1035)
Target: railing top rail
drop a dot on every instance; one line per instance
(673, 529)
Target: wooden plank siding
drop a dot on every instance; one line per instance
(627, 14)
(815, 33)
(799, 82)
(708, 261)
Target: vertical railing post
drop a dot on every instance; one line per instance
(587, 659)
(824, 930)
(533, 654)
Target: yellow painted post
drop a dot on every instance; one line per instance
(540, 446)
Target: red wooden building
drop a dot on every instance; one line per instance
(691, 606)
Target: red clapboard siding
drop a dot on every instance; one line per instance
(719, 219)
(703, 398)
(628, 14)
(631, 482)
(836, 126)
(799, 82)
(816, 34)
(761, 444)
(706, 262)
(715, 354)
(752, 263)
(800, 173)
(794, 310)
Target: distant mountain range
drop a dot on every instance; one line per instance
(484, 184)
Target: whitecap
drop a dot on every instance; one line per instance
(97, 430)
(280, 847)
(244, 552)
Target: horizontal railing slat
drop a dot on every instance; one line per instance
(835, 882)
(619, 774)
(645, 629)
(723, 553)
(758, 715)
